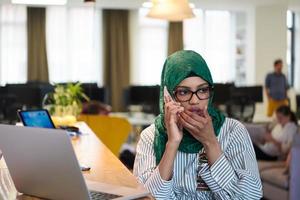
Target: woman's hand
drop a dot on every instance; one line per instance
(174, 131)
(268, 137)
(199, 126)
(172, 110)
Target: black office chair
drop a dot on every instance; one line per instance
(9, 107)
(241, 108)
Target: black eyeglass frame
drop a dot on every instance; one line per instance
(210, 88)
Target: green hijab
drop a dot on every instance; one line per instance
(177, 67)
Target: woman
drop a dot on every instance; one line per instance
(277, 143)
(192, 151)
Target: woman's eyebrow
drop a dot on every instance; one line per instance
(203, 84)
(199, 86)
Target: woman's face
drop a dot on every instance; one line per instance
(282, 119)
(196, 102)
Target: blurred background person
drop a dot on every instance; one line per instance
(276, 88)
(278, 141)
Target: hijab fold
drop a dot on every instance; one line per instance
(177, 67)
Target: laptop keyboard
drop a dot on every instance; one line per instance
(101, 195)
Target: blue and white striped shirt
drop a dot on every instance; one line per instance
(233, 176)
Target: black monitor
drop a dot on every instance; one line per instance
(222, 93)
(30, 94)
(95, 93)
(147, 96)
(252, 93)
(24, 94)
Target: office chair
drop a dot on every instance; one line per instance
(241, 108)
(112, 131)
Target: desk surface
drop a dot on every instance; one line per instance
(136, 119)
(105, 166)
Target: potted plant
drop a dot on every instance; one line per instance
(65, 103)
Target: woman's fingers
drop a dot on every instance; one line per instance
(196, 117)
(172, 104)
(193, 115)
(189, 119)
(166, 95)
(168, 98)
(205, 112)
(191, 129)
(186, 124)
(175, 111)
(172, 108)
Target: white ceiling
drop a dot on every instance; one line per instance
(131, 4)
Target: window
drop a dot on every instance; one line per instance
(13, 44)
(291, 46)
(210, 34)
(148, 48)
(296, 44)
(73, 44)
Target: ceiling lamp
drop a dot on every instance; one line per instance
(89, 1)
(40, 2)
(172, 10)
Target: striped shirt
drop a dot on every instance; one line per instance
(233, 176)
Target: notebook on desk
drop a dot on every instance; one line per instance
(42, 163)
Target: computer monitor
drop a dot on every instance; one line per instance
(252, 93)
(222, 93)
(24, 93)
(96, 93)
(147, 96)
(30, 94)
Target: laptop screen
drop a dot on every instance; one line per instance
(36, 118)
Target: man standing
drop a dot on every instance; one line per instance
(276, 88)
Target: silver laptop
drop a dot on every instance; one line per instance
(42, 163)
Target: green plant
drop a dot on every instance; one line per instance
(66, 99)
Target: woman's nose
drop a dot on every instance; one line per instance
(194, 99)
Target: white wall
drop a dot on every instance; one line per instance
(270, 38)
(250, 50)
(270, 43)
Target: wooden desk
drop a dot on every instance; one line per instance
(105, 166)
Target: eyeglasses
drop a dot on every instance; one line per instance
(183, 94)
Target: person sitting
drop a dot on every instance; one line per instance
(193, 151)
(277, 142)
(95, 108)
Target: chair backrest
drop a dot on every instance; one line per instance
(112, 131)
(241, 108)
